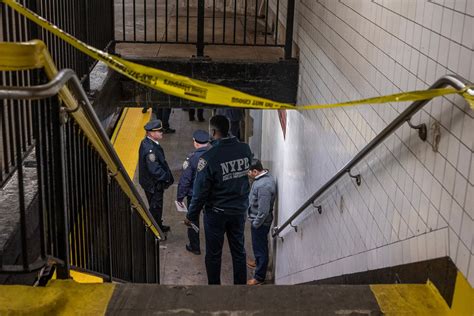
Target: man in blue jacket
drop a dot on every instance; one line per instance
(154, 174)
(186, 181)
(260, 214)
(222, 188)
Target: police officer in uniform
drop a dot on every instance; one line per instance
(154, 174)
(185, 185)
(222, 188)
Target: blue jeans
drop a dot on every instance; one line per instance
(216, 224)
(260, 250)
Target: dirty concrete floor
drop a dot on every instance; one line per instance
(177, 265)
(179, 28)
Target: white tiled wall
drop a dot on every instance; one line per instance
(414, 204)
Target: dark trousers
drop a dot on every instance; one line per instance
(200, 113)
(216, 224)
(192, 235)
(163, 115)
(235, 128)
(260, 250)
(155, 202)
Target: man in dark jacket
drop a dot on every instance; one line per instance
(222, 188)
(235, 115)
(186, 181)
(154, 174)
(260, 214)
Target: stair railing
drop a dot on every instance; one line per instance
(91, 217)
(449, 80)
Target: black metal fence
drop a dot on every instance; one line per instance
(205, 22)
(88, 20)
(85, 219)
(16, 140)
(106, 235)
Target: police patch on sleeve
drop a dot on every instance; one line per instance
(201, 164)
(185, 164)
(152, 157)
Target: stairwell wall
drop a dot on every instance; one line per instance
(414, 203)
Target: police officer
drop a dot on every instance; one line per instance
(185, 185)
(222, 187)
(154, 174)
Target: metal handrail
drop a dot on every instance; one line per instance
(52, 88)
(449, 80)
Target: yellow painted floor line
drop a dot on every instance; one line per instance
(463, 299)
(58, 298)
(410, 299)
(82, 277)
(128, 135)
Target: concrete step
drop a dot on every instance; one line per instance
(67, 297)
(144, 299)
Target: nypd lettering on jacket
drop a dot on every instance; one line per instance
(235, 169)
(221, 183)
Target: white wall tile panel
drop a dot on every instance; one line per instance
(414, 204)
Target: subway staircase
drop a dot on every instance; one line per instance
(183, 278)
(182, 290)
(68, 297)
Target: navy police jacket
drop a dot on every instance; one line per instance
(154, 173)
(185, 185)
(221, 183)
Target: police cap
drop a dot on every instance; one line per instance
(153, 125)
(201, 137)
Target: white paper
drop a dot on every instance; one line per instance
(181, 207)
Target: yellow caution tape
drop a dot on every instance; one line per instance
(34, 55)
(209, 93)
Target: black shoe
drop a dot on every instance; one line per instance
(164, 228)
(168, 130)
(201, 119)
(196, 252)
(191, 119)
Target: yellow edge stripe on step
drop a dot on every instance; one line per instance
(82, 277)
(128, 137)
(58, 298)
(463, 299)
(200, 91)
(410, 299)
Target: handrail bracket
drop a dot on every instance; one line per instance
(422, 129)
(319, 208)
(357, 177)
(295, 227)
